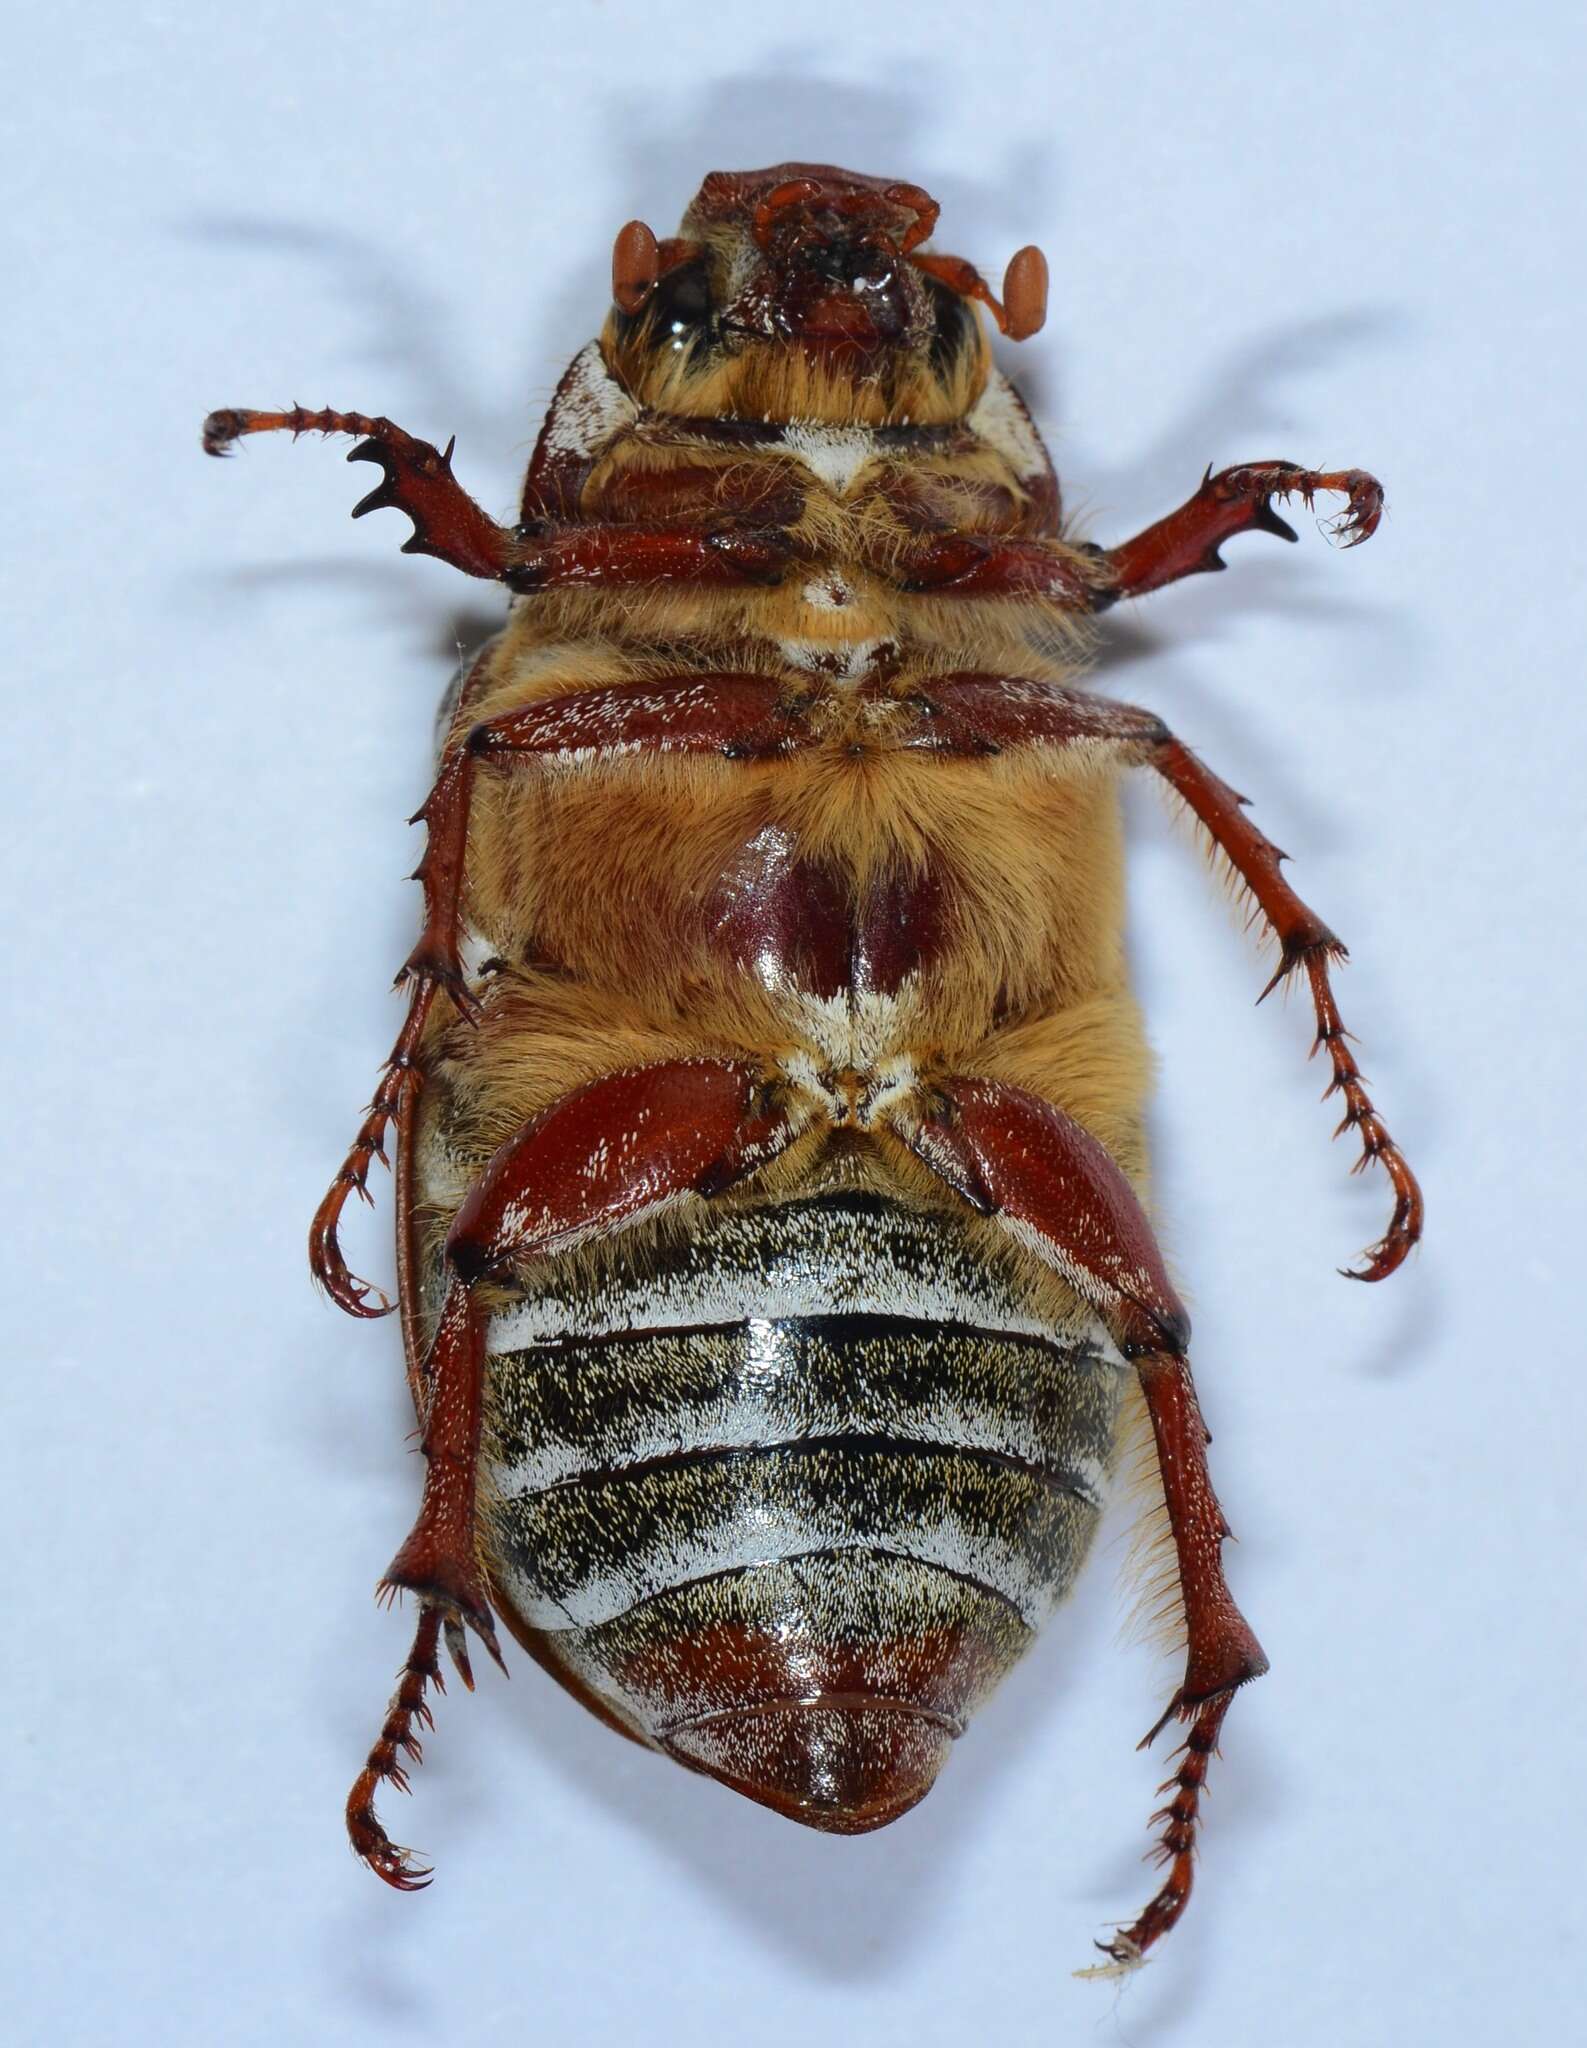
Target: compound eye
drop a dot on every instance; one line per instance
(636, 264)
(682, 300)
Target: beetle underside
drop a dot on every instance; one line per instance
(771, 1249)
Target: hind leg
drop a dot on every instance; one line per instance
(1056, 1191)
(601, 1160)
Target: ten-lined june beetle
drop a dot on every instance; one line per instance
(773, 1277)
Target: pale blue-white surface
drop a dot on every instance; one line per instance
(1344, 235)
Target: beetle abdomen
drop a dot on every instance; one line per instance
(790, 1502)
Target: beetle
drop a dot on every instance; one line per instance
(774, 1278)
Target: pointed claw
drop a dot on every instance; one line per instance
(457, 1649)
(467, 1004)
(479, 1620)
(448, 1589)
(1123, 1959)
(354, 1297)
(424, 966)
(1162, 1721)
(399, 1867)
(497, 1658)
(1382, 1259)
(1266, 520)
(1389, 1253)
(223, 430)
(454, 987)
(454, 1627)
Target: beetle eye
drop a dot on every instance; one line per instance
(681, 300)
(953, 324)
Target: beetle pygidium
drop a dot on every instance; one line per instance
(773, 1277)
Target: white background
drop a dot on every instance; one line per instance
(1346, 235)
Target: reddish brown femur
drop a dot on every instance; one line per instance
(636, 265)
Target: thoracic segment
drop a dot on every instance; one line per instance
(853, 502)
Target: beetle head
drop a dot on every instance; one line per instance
(808, 280)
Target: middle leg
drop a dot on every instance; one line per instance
(1307, 945)
(970, 713)
(736, 716)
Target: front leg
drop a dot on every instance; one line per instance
(1090, 579)
(977, 565)
(1239, 500)
(418, 480)
(448, 524)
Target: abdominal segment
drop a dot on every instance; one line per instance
(789, 1502)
